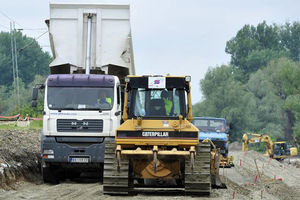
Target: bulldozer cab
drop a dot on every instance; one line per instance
(157, 103)
(281, 148)
(157, 97)
(157, 143)
(157, 111)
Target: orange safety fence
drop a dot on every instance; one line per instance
(10, 117)
(19, 117)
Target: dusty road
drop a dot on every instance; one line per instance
(20, 179)
(73, 190)
(240, 180)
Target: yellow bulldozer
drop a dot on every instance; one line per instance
(277, 150)
(157, 146)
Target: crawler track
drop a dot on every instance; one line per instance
(115, 182)
(198, 181)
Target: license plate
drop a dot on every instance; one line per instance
(79, 160)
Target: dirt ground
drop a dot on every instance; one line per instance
(20, 179)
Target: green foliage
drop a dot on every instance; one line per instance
(268, 103)
(226, 97)
(260, 91)
(9, 99)
(33, 66)
(290, 38)
(260, 147)
(254, 47)
(31, 59)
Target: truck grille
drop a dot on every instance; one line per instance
(74, 125)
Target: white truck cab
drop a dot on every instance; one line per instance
(92, 50)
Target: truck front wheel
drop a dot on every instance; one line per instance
(49, 175)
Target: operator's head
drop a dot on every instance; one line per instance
(103, 95)
(164, 94)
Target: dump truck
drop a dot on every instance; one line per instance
(157, 145)
(216, 130)
(278, 150)
(92, 50)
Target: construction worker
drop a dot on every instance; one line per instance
(168, 102)
(104, 99)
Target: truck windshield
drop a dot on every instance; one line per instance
(158, 102)
(210, 125)
(80, 98)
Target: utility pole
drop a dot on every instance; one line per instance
(13, 63)
(14, 59)
(16, 66)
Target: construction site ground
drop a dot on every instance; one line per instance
(20, 175)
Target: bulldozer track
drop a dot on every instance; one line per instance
(115, 182)
(198, 180)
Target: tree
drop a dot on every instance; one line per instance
(260, 91)
(226, 97)
(31, 59)
(254, 47)
(290, 38)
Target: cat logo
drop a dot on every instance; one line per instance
(155, 134)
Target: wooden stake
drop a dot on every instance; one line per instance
(261, 183)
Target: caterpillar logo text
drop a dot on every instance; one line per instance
(155, 134)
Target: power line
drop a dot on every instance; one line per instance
(6, 16)
(23, 28)
(10, 19)
(4, 26)
(34, 29)
(34, 39)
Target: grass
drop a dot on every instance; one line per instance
(35, 125)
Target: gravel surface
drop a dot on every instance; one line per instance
(20, 154)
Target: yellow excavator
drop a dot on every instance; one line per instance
(277, 150)
(157, 146)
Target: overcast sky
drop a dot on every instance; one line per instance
(180, 37)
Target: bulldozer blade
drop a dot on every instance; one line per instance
(217, 182)
(215, 178)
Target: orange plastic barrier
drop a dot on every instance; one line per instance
(10, 117)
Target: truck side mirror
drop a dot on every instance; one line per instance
(35, 92)
(228, 127)
(34, 103)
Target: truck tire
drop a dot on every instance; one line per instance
(49, 175)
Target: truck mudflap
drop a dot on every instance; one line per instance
(72, 150)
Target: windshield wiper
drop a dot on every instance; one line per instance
(63, 109)
(99, 109)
